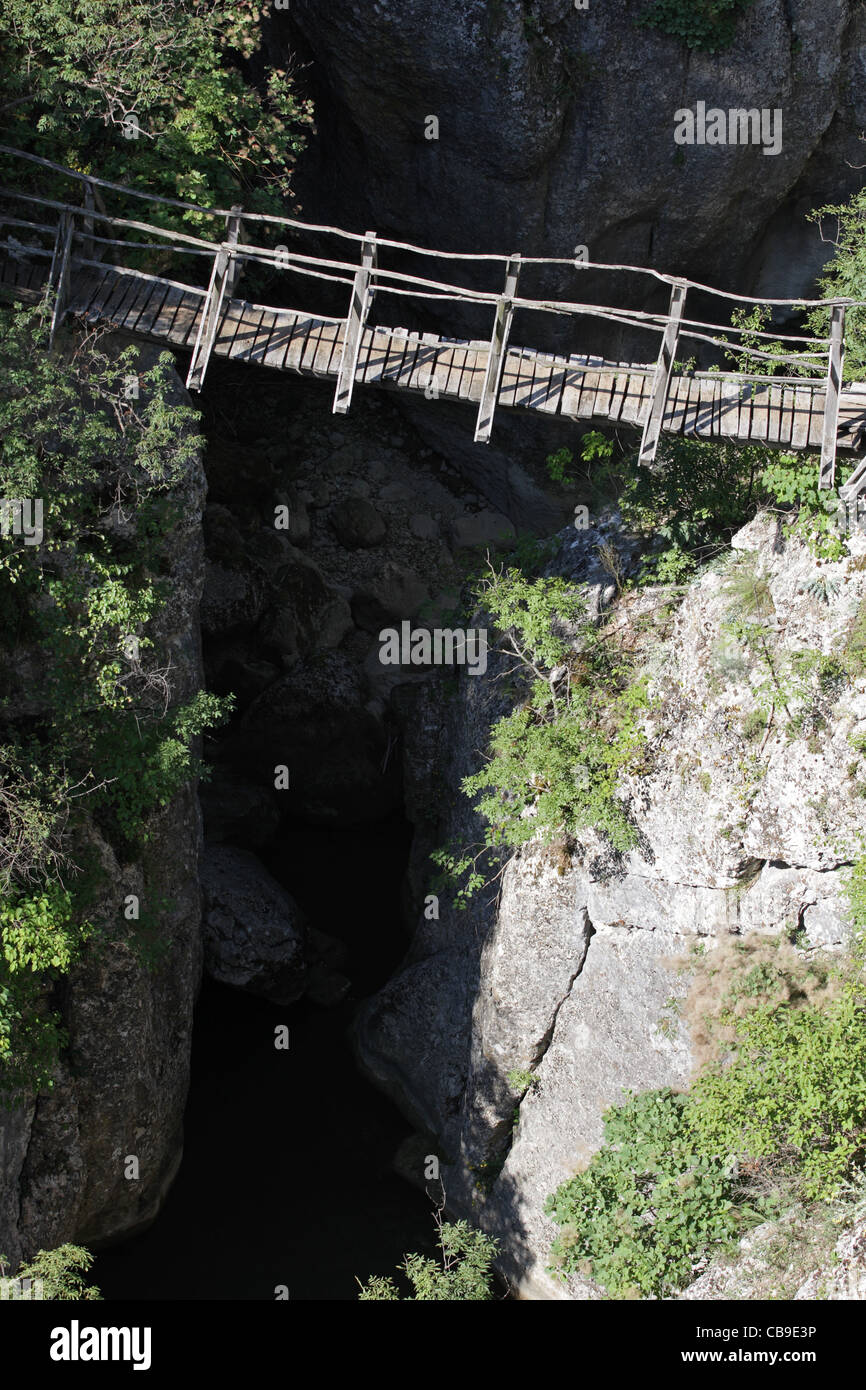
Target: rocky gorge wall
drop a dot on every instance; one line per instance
(556, 129)
(565, 966)
(121, 1087)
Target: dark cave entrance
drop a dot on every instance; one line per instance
(287, 1174)
(287, 1177)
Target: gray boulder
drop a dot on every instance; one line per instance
(342, 764)
(357, 524)
(254, 931)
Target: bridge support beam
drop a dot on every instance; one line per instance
(831, 404)
(353, 331)
(58, 275)
(496, 353)
(661, 380)
(224, 277)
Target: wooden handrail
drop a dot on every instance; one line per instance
(501, 258)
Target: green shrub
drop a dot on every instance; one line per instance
(31, 1036)
(709, 25)
(775, 1116)
(795, 1089)
(844, 225)
(207, 136)
(791, 481)
(61, 1273)
(147, 768)
(522, 1080)
(554, 763)
(556, 772)
(690, 504)
(650, 1204)
(558, 464)
(106, 740)
(463, 1272)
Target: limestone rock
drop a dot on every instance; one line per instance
(844, 1276)
(232, 598)
(340, 756)
(387, 599)
(357, 523)
(573, 170)
(237, 810)
(481, 528)
(306, 614)
(424, 527)
(568, 968)
(122, 1085)
(254, 932)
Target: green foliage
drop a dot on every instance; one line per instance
(595, 448)
(855, 889)
(752, 323)
(556, 772)
(776, 1115)
(558, 464)
(61, 1273)
(791, 480)
(31, 1036)
(521, 1080)
(147, 769)
(795, 1089)
(533, 608)
(464, 1271)
(104, 739)
(690, 504)
(29, 795)
(554, 762)
(648, 1206)
(844, 226)
(38, 931)
(805, 683)
(73, 73)
(709, 25)
(459, 873)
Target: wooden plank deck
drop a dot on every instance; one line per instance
(578, 388)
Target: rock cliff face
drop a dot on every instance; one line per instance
(565, 966)
(556, 129)
(121, 1088)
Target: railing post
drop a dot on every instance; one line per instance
(224, 277)
(661, 380)
(87, 244)
(234, 229)
(496, 353)
(58, 276)
(354, 327)
(831, 404)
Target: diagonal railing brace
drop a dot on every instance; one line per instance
(496, 353)
(831, 403)
(354, 326)
(224, 277)
(58, 275)
(662, 377)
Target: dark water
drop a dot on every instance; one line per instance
(286, 1178)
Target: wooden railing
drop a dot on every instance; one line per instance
(73, 240)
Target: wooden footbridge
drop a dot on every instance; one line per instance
(787, 393)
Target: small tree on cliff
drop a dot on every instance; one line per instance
(464, 1270)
